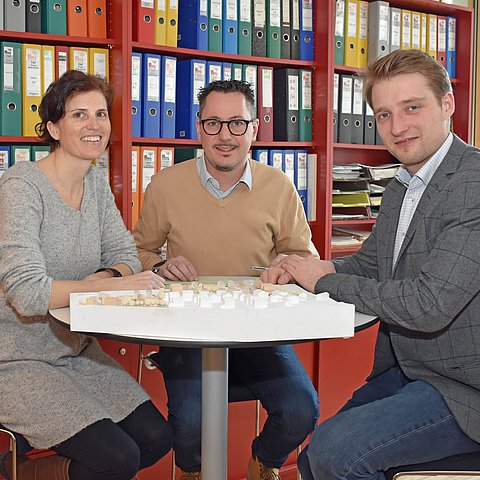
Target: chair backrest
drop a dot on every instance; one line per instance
(436, 475)
(466, 464)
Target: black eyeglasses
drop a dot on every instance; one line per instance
(237, 127)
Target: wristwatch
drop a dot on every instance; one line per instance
(113, 271)
(156, 267)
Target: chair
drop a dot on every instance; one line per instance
(18, 446)
(461, 467)
(237, 392)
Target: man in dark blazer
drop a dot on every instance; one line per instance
(419, 272)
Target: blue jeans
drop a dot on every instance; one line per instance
(390, 421)
(275, 376)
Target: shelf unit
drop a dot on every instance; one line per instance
(330, 153)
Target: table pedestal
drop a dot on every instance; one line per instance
(214, 413)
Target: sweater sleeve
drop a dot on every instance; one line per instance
(117, 245)
(22, 267)
(293, 235)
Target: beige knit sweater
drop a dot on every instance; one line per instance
(222, 237)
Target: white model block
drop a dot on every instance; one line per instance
(260, 301)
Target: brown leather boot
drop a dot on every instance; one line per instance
(256, 470)
(190, 475)
(53, 467)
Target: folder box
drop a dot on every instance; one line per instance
(285, 106)
(395, 28)
(260, 155)
(135, 184)
(78, 59)
(191, 76)
(160, 20)
(357, 111)
(168, 97)
(362, 34)
(301, 177)
(193, 24)
(289, 164)
(98, 62)
(214, 72)
(39, 151)
(305, 106)
(249, 74)
(11, 89)
(77, 18)
(295, 30)
(137, 94)
(4, 158)
(285, 28)
(215, 25)
(369, 128)
(273, 19)
(442, 40)
(97, 18)
(33, 16)
(14, 16)
(306, 30)
(143, 13)
(406, 30)
(48, 66)
(351, 33)
(259, 27)
(31, 87)
(275, 159)
(336, 86)
(61, 60)
(244, 46)
(432, 35)
(345, 109)
(54, 17)
(416, 30)
(451, 46)
(20, 153)
(230, 26)
(265, 104)
(378, 30)
(151, 74)
(1, 15)
(172, 23)
(339, 32)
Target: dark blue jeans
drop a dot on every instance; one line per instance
(388, 422)
(276, 377)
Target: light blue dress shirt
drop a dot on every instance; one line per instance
(213, 187)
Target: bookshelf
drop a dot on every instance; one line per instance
(335, 379)
(330, 153)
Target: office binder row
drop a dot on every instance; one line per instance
(164, 97)
(31, 68)
(300, 168)
(12, 154)
(366, 31)
(353, 119)
(78, 18)
(263, 28)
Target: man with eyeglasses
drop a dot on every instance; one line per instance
(220, 214)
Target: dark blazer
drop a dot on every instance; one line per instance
(429, 306)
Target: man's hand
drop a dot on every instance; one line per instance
(306, 271)
(276, 275)
(178, 268)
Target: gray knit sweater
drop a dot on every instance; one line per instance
(55, 383)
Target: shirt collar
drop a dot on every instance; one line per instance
(205, 176)
(425, 174)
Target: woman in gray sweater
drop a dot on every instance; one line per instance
(60, 232)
